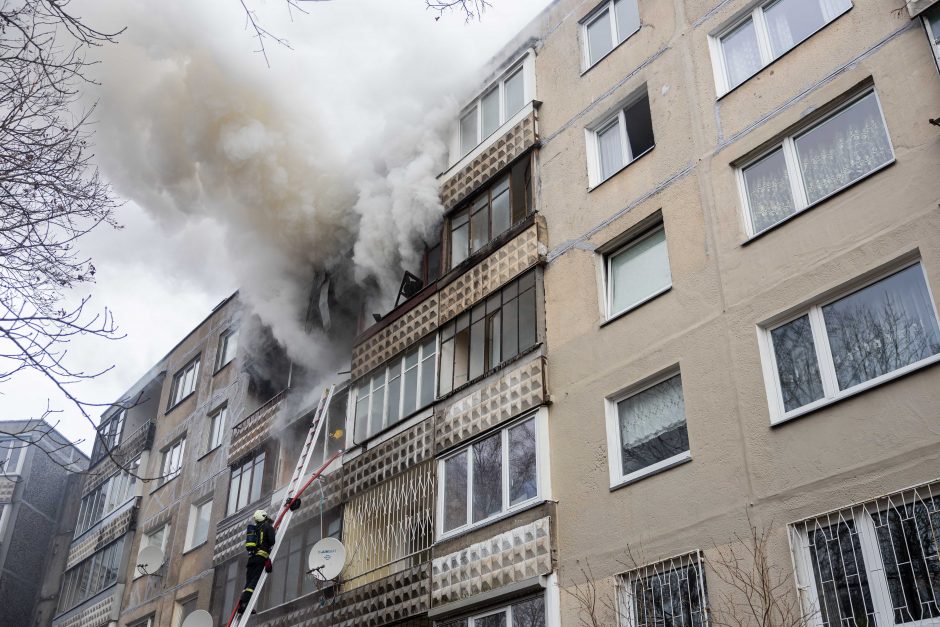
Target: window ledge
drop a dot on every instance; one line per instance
(509, 513)
(655, 469)
(591, 188)
(193, 548)
(639, 304)
(719, 97)
(813, 205)
(610, 52)
(855, 390)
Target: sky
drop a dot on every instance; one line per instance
(241, 174)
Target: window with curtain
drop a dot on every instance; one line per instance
(815, 163)
(871, 334)
(637, 271)
(769, 31)
(620, 139)
(607, 27)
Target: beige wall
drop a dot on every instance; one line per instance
(864, 446)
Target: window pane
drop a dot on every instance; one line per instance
(510, 323)
(201, 531)
(843, 149)
(881, 328)
(378, 401)
(461, 357)
(455, 491)
(523, 482)
(515, 93)
(639, 126)
(394, 392)
(598, 36)
(501, 218)
(669, 598)
(742, 56)
(628, 18)
(411, 389)
(529, 613)
(244, 490)
(639, 272)
(428, 350)
(490, 112)
(477, 348)
(791, 21)
(769, 198)
(908, 541)
(468, 131)
(527, 334)
(841, 578)
(797, 368)
(362, 412)
(459, 244)
(480, 226)
(446, 381)
(493, 620)
(493, 338)
(487, 477)
(256, 476)
(652, 425)
(233, 491)
(609, 150)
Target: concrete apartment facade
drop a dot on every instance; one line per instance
(675, 349)
(38, 478)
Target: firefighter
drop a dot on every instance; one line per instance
(258, 542)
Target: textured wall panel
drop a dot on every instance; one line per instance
(99, 538)
(395, 338)
(516, 555)
(229, 540)
(513, 143)
(514, 392)
(388, 459)
(96, 614)
(252, 431)
(507, 262)
(7, 486)
(133, 445)
(398, 599)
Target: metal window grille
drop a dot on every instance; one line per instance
(670, 593)
(876, 564)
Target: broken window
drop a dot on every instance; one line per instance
(491, 213)
(396, 390)
(491, 332)
(184, 383)
(621, 139)
(493, 475)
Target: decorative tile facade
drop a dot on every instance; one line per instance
(100, 538)
(229, 540)
(513, 143)
(394, 338)
(516, 555)
(506, 263)
(390, 458)
(251, 432)
(95, 614)
(514, 392)
(133, 445)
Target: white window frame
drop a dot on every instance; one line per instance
(761, 32)
(934, 42)
(177, 391)
(593, 16)
(541, 471)
(145, 541)
(6, 452)
(167, 473)
(143, 622)
(191, 524)
(618, 118)
(823, 352)
(860, 516)
(614, 447)
(609, 312)
(477, 105)
(227, 338)
(218, 418)
(794, 171)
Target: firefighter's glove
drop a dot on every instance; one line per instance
(268, 567)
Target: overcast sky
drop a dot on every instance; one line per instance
(361, 77)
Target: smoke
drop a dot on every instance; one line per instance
(321, 166)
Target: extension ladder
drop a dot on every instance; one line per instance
(293, 494)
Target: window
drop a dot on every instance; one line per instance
(107, 497)
(183, 609)
(607, 27)
(637, 272)
(91, 576)
(620, 139)
(932, 24)
(493, 109)
(491, 213)
(848, 344)
(396, 390)
(197, 528)
(184, 383)
(12, 455)
(244, 486)
(767, 33)
(527, 613)
(646, 430)
(816, 163)
(109, 434)
(667, 594)
(143, 622)
(172, 461)
(494, 475)
(230, 577)
(289, 579)
(875, 564)
(159, 538)
(228, 345)
(217, 420)
(5, 512)
(492, 332)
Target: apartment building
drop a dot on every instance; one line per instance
(38, 478)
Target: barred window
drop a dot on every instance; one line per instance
(666, 594)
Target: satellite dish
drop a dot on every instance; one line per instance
(327, 558)
(199, 618)
(149, 560)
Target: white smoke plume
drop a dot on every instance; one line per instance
(323, 163)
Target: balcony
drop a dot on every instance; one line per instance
(251, 431)
(130, 447)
